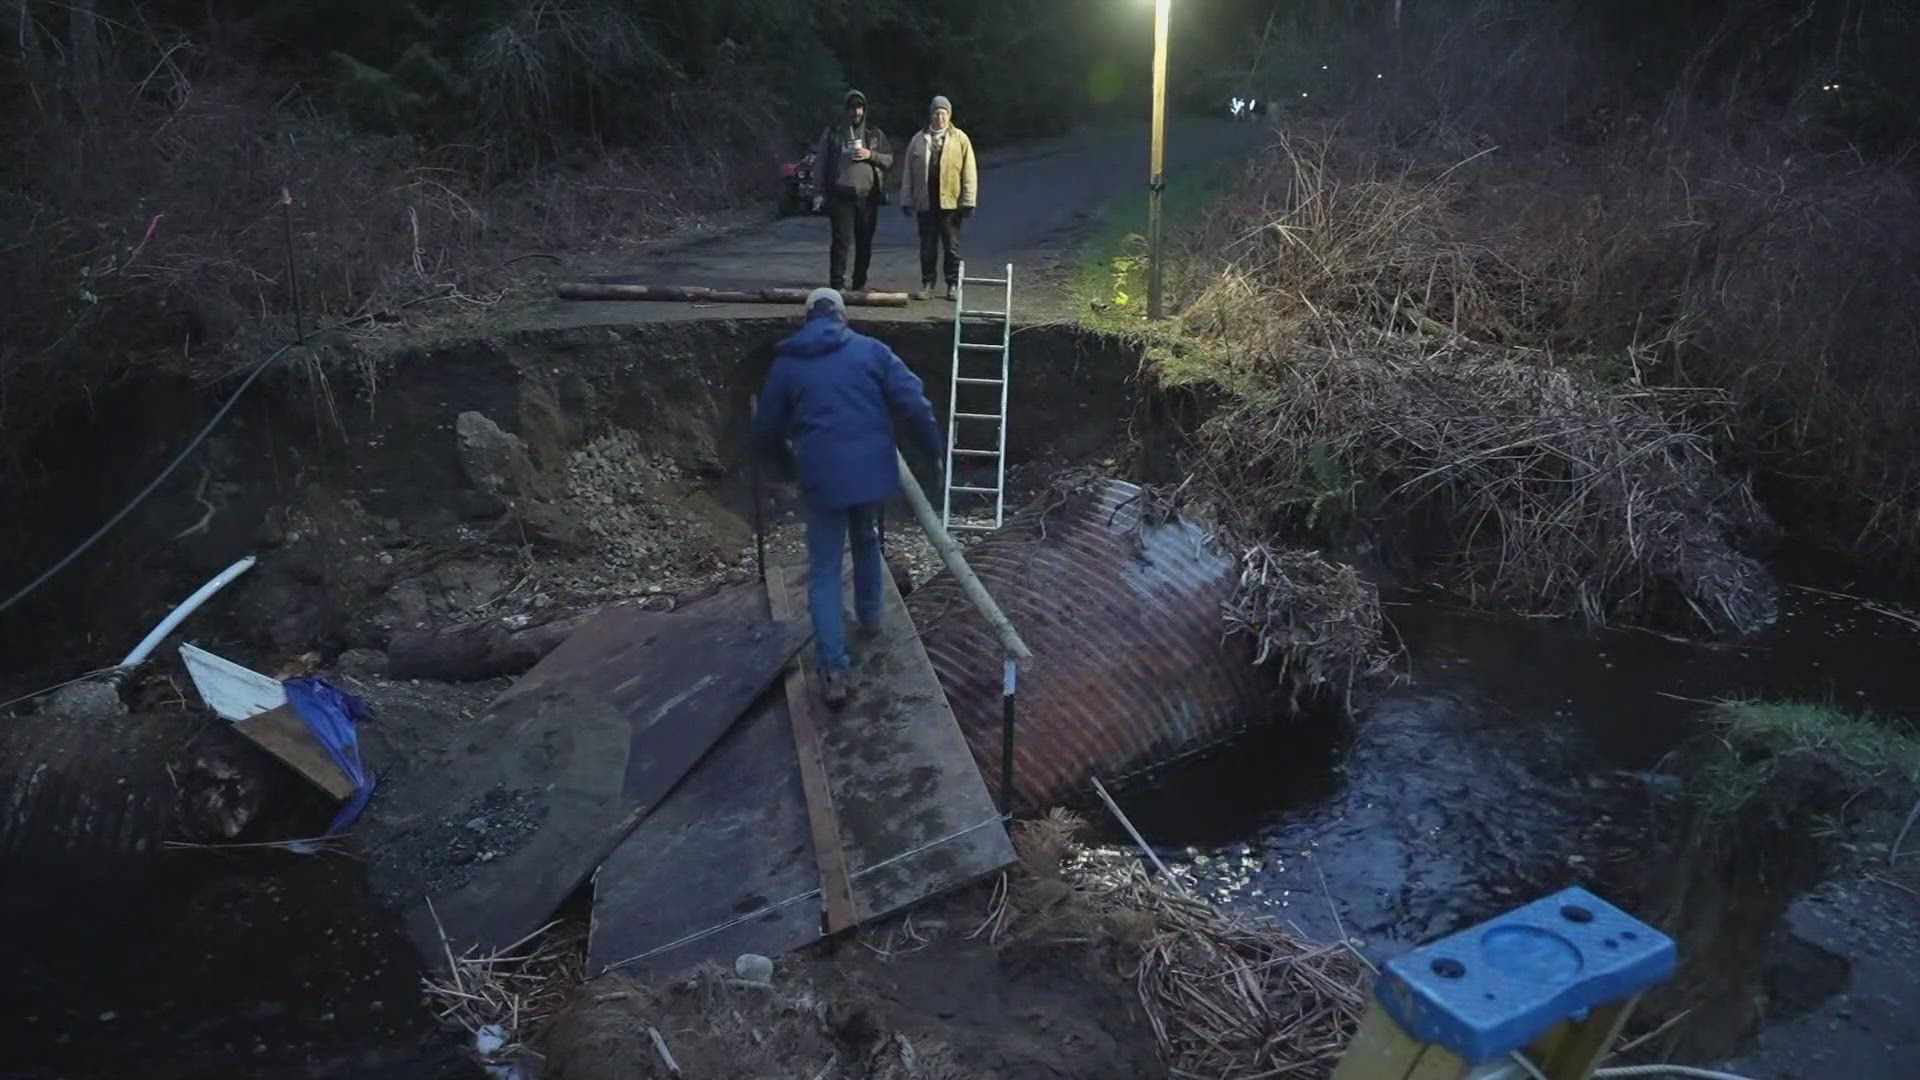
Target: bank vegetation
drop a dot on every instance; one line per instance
(1562, 312)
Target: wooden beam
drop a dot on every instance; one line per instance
(696, 294)
(835, 886)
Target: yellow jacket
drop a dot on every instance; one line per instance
(959, 177)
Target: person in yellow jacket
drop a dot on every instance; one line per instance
(941, 187)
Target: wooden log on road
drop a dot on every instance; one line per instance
(698, 294)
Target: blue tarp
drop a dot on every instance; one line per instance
(333, 715)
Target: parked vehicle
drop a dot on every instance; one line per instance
(797, 187)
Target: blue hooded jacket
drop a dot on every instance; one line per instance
(837, 392)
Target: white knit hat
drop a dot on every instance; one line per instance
(831, 298)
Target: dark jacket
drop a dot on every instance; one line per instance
(837, 392)
(841, 175)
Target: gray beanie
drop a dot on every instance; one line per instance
(821, 301)
(855, 95)
(940, 102)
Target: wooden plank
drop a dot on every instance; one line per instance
(283, 734)
(834, 884)
(724, 866)
(915, 817)
(601, 729)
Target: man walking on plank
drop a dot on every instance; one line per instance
(836, 393)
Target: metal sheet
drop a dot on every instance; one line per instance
(1131, 669)
(603, 728)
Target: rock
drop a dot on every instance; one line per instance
(495, 460)
(91, 698)
(362, 664)
(754, 968)
(502, 472)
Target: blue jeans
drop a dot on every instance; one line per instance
(828, 531)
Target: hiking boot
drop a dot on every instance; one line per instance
(865, 636)
(833, 689)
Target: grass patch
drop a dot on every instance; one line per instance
(1761, 738)
(1109, 279)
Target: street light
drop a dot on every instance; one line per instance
(1156, 178)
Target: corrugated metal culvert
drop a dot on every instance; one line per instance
(1131, 668)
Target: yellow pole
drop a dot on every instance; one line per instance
(1156, 180)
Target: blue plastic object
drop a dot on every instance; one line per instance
(333, 716)
(1494, 989)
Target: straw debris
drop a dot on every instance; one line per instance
(1228, 997)
(1533, 484)
(518, 992)
(1320, 620)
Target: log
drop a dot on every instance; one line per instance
(503, 648)
(697, 294)
(476, 651)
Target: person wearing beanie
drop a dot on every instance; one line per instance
(852, 161)
(835, 394)
(941, 187)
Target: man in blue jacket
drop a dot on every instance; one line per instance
(837, 392)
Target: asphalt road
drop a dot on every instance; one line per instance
(1035, 203)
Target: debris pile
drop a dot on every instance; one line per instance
(1529, 482)
(646, 524)
(1227, 996)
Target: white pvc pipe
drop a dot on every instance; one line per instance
(172, 622)
(1666, 1070)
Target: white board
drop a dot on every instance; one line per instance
(231, 691)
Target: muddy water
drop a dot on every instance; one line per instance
(1518, 758)
(194, 964)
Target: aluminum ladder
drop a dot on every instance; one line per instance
(973, 379)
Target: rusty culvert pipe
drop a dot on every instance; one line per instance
(1131, 668)
(120, 785)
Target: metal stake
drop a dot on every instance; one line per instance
(1010, 678)
(753, 484)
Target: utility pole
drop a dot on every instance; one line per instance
(1156, 179)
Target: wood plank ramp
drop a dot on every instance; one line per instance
(727, 864)
(604, 727)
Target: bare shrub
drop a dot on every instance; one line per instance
(1379, 367)
(1539, 487)
(1320, 230)
(1728, 255)
(188, 230)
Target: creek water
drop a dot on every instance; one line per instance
(1518, 757)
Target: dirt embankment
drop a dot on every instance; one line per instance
(1074, 964)
(485, 477)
